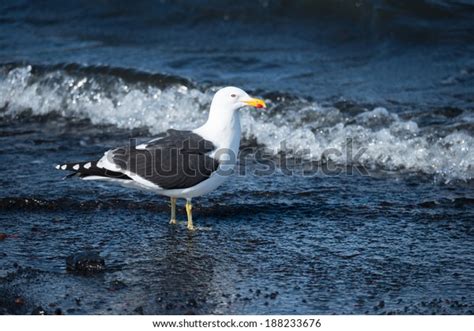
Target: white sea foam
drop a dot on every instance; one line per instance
(387, 141)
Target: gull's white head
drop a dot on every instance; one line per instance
(232, 98)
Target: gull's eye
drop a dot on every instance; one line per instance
(233, 95)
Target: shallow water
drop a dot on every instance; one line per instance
(390, 232)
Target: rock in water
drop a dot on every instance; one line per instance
(85, 263)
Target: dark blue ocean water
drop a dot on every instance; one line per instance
(391, 231)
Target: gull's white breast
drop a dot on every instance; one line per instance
(227, 142)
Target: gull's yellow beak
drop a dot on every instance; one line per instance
(254, 102)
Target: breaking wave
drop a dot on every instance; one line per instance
(128, 99)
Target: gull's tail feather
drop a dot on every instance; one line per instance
(90, 170)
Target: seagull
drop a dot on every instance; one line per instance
(177, 163)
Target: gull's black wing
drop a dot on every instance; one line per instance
(173, 160)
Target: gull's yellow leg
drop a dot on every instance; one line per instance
(173, 211)
(189, 208)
